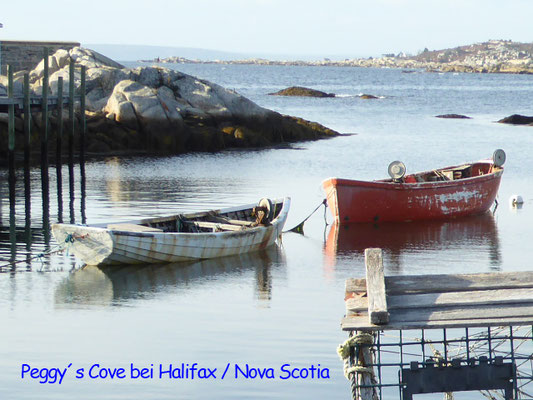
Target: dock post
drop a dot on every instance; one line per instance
(83, 129)
(83, 133)
(365, 377)
(27, 150)
(59, 138)
(59, 145)
(44, 132)
(27, 125)
(72, 125)
(11, 138)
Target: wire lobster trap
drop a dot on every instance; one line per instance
(438, 334)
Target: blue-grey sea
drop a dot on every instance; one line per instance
(266, 310)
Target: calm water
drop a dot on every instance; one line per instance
(279, 307)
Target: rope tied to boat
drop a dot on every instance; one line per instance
(300, 227)
(64, 246)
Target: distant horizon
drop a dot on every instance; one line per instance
(120, 52)
(154, 51)
(343, 28)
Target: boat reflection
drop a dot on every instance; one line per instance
(418, 236)
(114, 285)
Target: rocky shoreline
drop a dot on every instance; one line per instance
(155, 110)
(494, 56)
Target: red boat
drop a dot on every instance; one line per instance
(461, 190)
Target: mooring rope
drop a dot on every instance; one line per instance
(300, 227)
(56, 249)
(343, 350)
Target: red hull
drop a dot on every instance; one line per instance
(353, 201)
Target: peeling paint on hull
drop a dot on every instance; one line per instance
(353, 201)
(101, 246)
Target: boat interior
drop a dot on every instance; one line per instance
(449, 173)
(235, 219)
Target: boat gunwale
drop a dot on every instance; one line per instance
(390, 185)
(282, 216)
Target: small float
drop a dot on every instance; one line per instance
(466, 189)
(181, 237)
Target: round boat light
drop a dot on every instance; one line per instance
(498, 158)
(397, 170)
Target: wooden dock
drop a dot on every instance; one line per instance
(23, 106)
(34, 101)
(438, 333)
(436, 301)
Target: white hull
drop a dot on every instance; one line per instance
(101, 245)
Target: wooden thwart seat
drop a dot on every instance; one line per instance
(215, 226)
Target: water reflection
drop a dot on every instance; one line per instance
(113, 285)
(21, 239)
(428, 236)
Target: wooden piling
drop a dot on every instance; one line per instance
(83, 133)
(365, 380)
(27, 152)
(59, 144)
(72, 129)
(59, 137)
(83, 128)
(11, 138)
(27, 123)
(71, 112)
(44, 127)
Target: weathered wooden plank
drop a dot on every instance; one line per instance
(215, 225)
(448, 283)
(233, 221)
(457, 299)
(361, 323)
(375, 282)
(464, 313)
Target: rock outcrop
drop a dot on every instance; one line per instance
(453, 116)
(368, 96)
(160, 110)
(517, 119)
(302, 92)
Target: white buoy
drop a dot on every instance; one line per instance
(516, 201)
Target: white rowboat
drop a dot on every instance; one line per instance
(181, 237)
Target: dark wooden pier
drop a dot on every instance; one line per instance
(23, 106)
(473, 332)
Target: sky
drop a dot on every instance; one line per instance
(325, 28)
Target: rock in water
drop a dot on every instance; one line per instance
(302, 91)
(517, 119)
(368, 96)
(453, 116)
(160, 110)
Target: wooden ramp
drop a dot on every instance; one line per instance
(436, 301)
